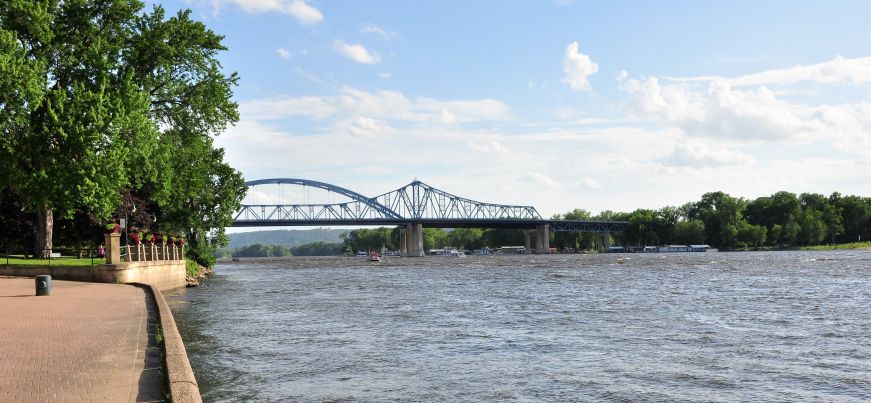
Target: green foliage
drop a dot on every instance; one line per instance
(496, 237)
(466, 238)
(97, 97)
(751, 235)
(258, 250)
(366, 239)
(851, 245)
(689, 232)
(434, 238)
(288, 238)
(191, 267)
(319, 249)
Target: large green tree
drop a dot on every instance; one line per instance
(72, 114)
(97, 96)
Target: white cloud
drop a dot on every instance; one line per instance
(357, 53)
(591, 183)
(301, 11)
(369, 28)
(489, 147)
(384, 76)
(540, 179)
(385, 105)
(839, 70)
(577, 67)
(719, 111)
(364, 126)
(694, 153)
(754, 114)
(283, 53)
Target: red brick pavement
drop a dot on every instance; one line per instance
(84, 343)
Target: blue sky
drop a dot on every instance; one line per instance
(556, 104)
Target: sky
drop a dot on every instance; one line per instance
(598, 105)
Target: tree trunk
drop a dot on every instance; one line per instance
(44, 228)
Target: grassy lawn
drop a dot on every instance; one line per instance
(854, 245)
(61, 261)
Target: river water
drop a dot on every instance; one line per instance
(754, 326)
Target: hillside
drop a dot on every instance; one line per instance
(287, 238)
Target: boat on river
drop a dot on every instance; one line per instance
(373, 256)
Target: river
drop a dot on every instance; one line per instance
(753, 326)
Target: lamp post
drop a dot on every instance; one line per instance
(126, 223)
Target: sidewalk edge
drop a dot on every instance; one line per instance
(183, 386)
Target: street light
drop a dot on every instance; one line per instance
(126, 224)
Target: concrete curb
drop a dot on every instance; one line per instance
(183, 386)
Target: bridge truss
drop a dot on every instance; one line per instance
(416, 202)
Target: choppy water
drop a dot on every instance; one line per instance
(760, 326)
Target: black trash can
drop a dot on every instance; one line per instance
(43, 285)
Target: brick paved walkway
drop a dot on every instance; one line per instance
(86, 342)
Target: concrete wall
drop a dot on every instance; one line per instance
(183, 387)
(163, 274)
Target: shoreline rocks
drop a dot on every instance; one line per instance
(202, 274)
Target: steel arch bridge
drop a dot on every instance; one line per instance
(414, 203)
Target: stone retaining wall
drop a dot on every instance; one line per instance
(162, 274)
(183, 386)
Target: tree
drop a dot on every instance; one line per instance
(466, 238)
(751, 235)
(641, 229)
(319, 248)
(856, 218)
(98, 97)
(689, 232)
(664, 222)
(72, 115)
(812, 229)
(499, 237)
(370, 239)
(722, 216)
(434, 238)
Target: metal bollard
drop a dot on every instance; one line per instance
(43, 285)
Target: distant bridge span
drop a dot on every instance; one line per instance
(413, 207)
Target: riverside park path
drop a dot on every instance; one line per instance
(87, 342)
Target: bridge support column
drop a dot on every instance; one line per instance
(417, 230)
(413, 240)
(603, 241)
(527, 241)
(542, 238)
(403, 240)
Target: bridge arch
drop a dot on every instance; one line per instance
(374, 204)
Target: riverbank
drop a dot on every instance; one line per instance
(784, 248)
(196, 274)
(852, 245)
(90, 342)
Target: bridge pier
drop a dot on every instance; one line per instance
(527, 240)
(603, 241)
(542, 239)
(542, 243)
(403, 240)
(411, 238)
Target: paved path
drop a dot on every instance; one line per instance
(86, 342)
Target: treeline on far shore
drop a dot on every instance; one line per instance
(783, 219)
(318, 248)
